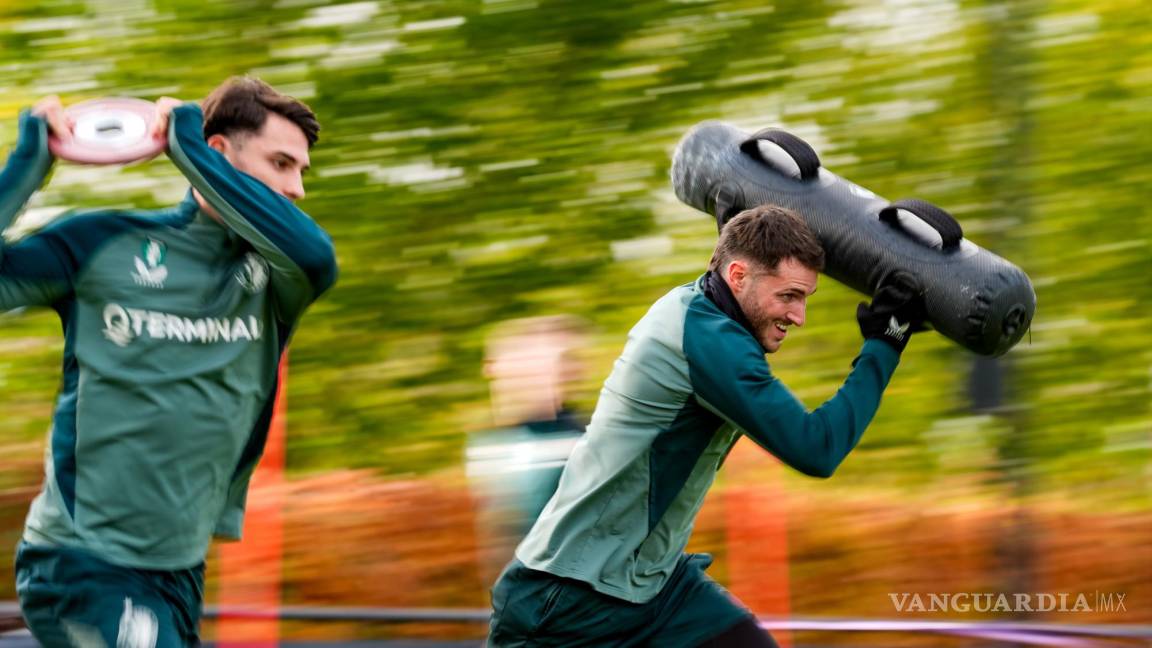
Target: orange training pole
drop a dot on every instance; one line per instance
(757, 532)
(250, 570)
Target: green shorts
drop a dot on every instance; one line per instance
(72, 599)
(533, 608)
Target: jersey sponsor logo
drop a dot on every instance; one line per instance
(150, 268)
(138, 627)
(253, 275)
(123, 325)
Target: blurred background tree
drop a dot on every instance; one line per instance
(482, 160)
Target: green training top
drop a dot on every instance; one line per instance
(689, 382)
(173, 330)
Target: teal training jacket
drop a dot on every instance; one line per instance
(173, 330)
(689, 381)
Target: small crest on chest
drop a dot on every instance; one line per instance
(253, 273)
(150, 268)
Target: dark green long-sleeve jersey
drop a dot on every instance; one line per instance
(689, 382)
(173, 330)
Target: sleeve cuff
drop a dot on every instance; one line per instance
(33, 136)
(230, 526)
(884, 352)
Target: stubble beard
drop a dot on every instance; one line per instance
(762, 324)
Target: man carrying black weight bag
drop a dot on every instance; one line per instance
(604, 565)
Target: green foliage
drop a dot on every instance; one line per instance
(487, 160)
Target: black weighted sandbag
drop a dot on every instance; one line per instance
(973, 296)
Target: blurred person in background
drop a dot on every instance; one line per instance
(605, 563)
(532, 365)
(174, 324)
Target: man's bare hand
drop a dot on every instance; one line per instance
(164, 107)
(59, 123)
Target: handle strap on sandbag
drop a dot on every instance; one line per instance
(945, 225)
(805, 158)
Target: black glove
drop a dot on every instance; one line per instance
(897, 310)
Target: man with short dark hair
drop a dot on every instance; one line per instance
(532, 365)
(174, 325)
(604, 564)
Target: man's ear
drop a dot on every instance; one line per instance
(219, 142)
(736, 274)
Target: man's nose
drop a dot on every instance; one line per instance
(797, 315)
(294, 188)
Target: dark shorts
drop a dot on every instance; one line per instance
(533, 608)
(70, 597)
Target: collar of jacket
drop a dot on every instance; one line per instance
(565, 422)
(717, 290)
(216, 232)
